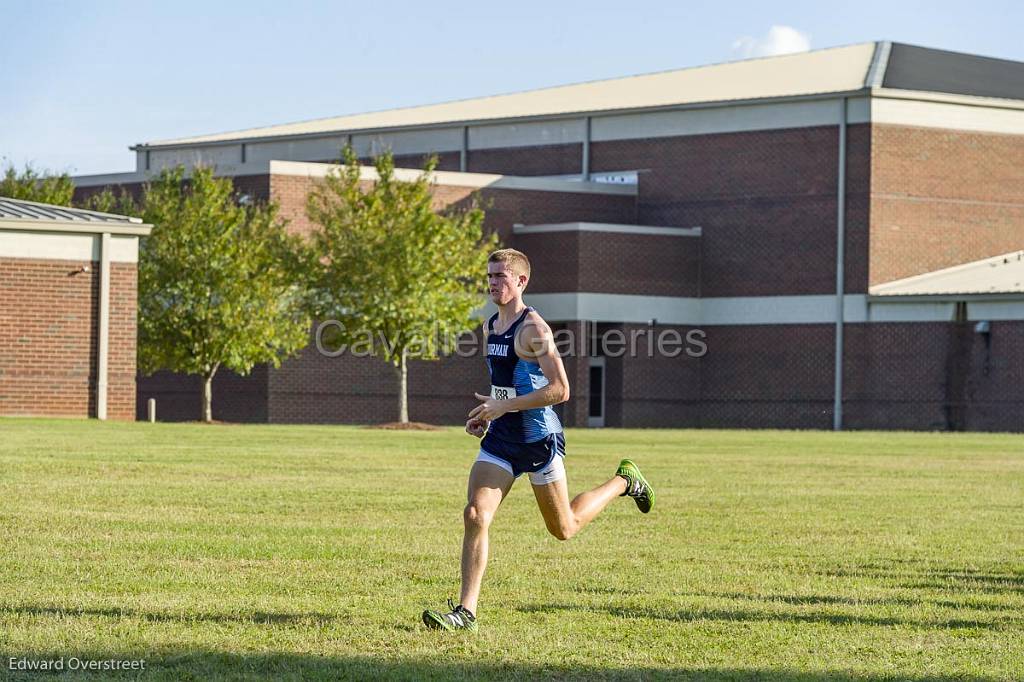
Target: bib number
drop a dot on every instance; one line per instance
(503, 393)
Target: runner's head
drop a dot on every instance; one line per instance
(508, 272)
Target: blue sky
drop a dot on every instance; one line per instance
(81, 81)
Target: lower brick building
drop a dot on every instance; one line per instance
(772, 214)
(67, 311)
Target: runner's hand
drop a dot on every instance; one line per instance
(476, 427)
(489, 408)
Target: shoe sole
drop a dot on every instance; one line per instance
(630, 464)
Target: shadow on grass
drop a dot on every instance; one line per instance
(831, 600)
(258, 617)
(955, 580)
(971, 580)
(213, 665)
(741, 615)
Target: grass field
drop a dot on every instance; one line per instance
(309, 552)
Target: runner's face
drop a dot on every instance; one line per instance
(503, 284)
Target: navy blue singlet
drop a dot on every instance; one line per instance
(510, 371)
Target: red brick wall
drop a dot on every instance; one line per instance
(577, 370)
(652, 389)
(178, 396)
(49, 335)
(554, 260)
(766, 201)
(767, 376)
(935, 375)
(121, 362)
(503, 207)
(555, 159)
(943, 197)
(256, 186)
(314, 388)
(612, 262)
(656, 391)
(921, 376)
(993, 369)
(446, 161)
(82, 194)
(894, 375)
(897, 375)
(318, 389)
(290, 192)
(532, 207)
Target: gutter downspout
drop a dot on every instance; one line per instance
(837, 407)
(104, 328)
(585, 166)
(464, 151)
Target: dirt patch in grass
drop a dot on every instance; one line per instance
(407, 426)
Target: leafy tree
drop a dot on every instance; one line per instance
(32, 185)
(394, 269)
(219, 282)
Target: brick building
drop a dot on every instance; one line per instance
(785, 209)
(67, 311)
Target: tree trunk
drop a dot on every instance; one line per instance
(207, 404)
(403, 389)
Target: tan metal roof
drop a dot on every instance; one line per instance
(19, 209)
(32, 216)
(837, 69)
(999, 274)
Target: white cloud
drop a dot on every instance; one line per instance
(778, 40)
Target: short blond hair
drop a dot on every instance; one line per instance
(515, 260)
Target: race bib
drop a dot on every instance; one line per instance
(503, 393)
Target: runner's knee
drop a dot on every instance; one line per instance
(476, 516)
(562, 531)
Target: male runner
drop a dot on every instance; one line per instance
(523, 436)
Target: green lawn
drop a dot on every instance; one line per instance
(302, 552)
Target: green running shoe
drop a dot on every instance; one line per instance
(459, 618)
(637, 486)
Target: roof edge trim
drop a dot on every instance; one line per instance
(948, 98)
(33, 225)
(879, 63)
(946, 297)
(543, 228)
(459, 179)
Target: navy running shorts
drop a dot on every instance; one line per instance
(525, 457)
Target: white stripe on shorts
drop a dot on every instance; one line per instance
(485, 456)
(554, 471)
